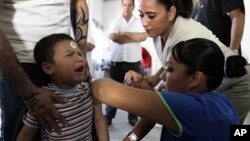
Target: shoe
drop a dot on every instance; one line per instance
(108, 120)
(132, 122)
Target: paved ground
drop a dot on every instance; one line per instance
(120, 127)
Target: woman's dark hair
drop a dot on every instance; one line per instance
(235, 66)
(44, 52)
(184, 8)
(205, 56)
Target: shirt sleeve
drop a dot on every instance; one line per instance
(186, 111)
(229, 5)
(113, 26)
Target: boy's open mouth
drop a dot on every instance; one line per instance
(79, 68)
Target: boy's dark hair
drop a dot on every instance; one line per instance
(206, 56)
(44, 48)
(44, 52)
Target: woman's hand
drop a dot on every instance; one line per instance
(143, 85)
(132, 77)
(136, 80)
(153, 80)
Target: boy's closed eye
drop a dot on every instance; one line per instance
(70, 54)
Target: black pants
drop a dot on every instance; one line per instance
(117, 72)
(13, 107)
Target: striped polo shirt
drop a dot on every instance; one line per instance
(78, 112)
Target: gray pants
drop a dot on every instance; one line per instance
(238, 91)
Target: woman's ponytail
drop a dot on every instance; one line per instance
(235, 66)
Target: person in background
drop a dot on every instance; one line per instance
(146, 61)
(22, 24)
(126, 32)
(166, 21)
(225, 18)
(60, 58)
(89, 47)
(189, 108)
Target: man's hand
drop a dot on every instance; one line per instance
(41, 105)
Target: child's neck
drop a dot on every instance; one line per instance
(64, 86)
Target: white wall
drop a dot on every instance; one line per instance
(95, 10)
(246, 36)
(111, 10)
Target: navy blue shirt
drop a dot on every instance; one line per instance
(213, 14)
(199, 117)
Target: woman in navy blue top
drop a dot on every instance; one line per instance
(188, 108)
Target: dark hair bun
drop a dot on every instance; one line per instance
(235, 66)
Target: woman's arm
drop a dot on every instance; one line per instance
(141, 129)
(237, 28)
(144, 103)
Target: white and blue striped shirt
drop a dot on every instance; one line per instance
(78, 112)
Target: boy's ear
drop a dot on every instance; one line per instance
(197, 79)
(47, 68)
(172, 13)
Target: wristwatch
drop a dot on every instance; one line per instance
(132, 136)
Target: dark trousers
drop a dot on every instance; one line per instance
(117, 72)
(12, 104)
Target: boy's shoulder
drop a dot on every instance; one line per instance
(85, 87)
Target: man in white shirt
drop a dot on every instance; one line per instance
(126, 33)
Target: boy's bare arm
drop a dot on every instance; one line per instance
(26, 134)
(100, 123)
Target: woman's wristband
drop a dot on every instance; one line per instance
(132, 136)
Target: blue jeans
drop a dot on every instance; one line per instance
(12, 105)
